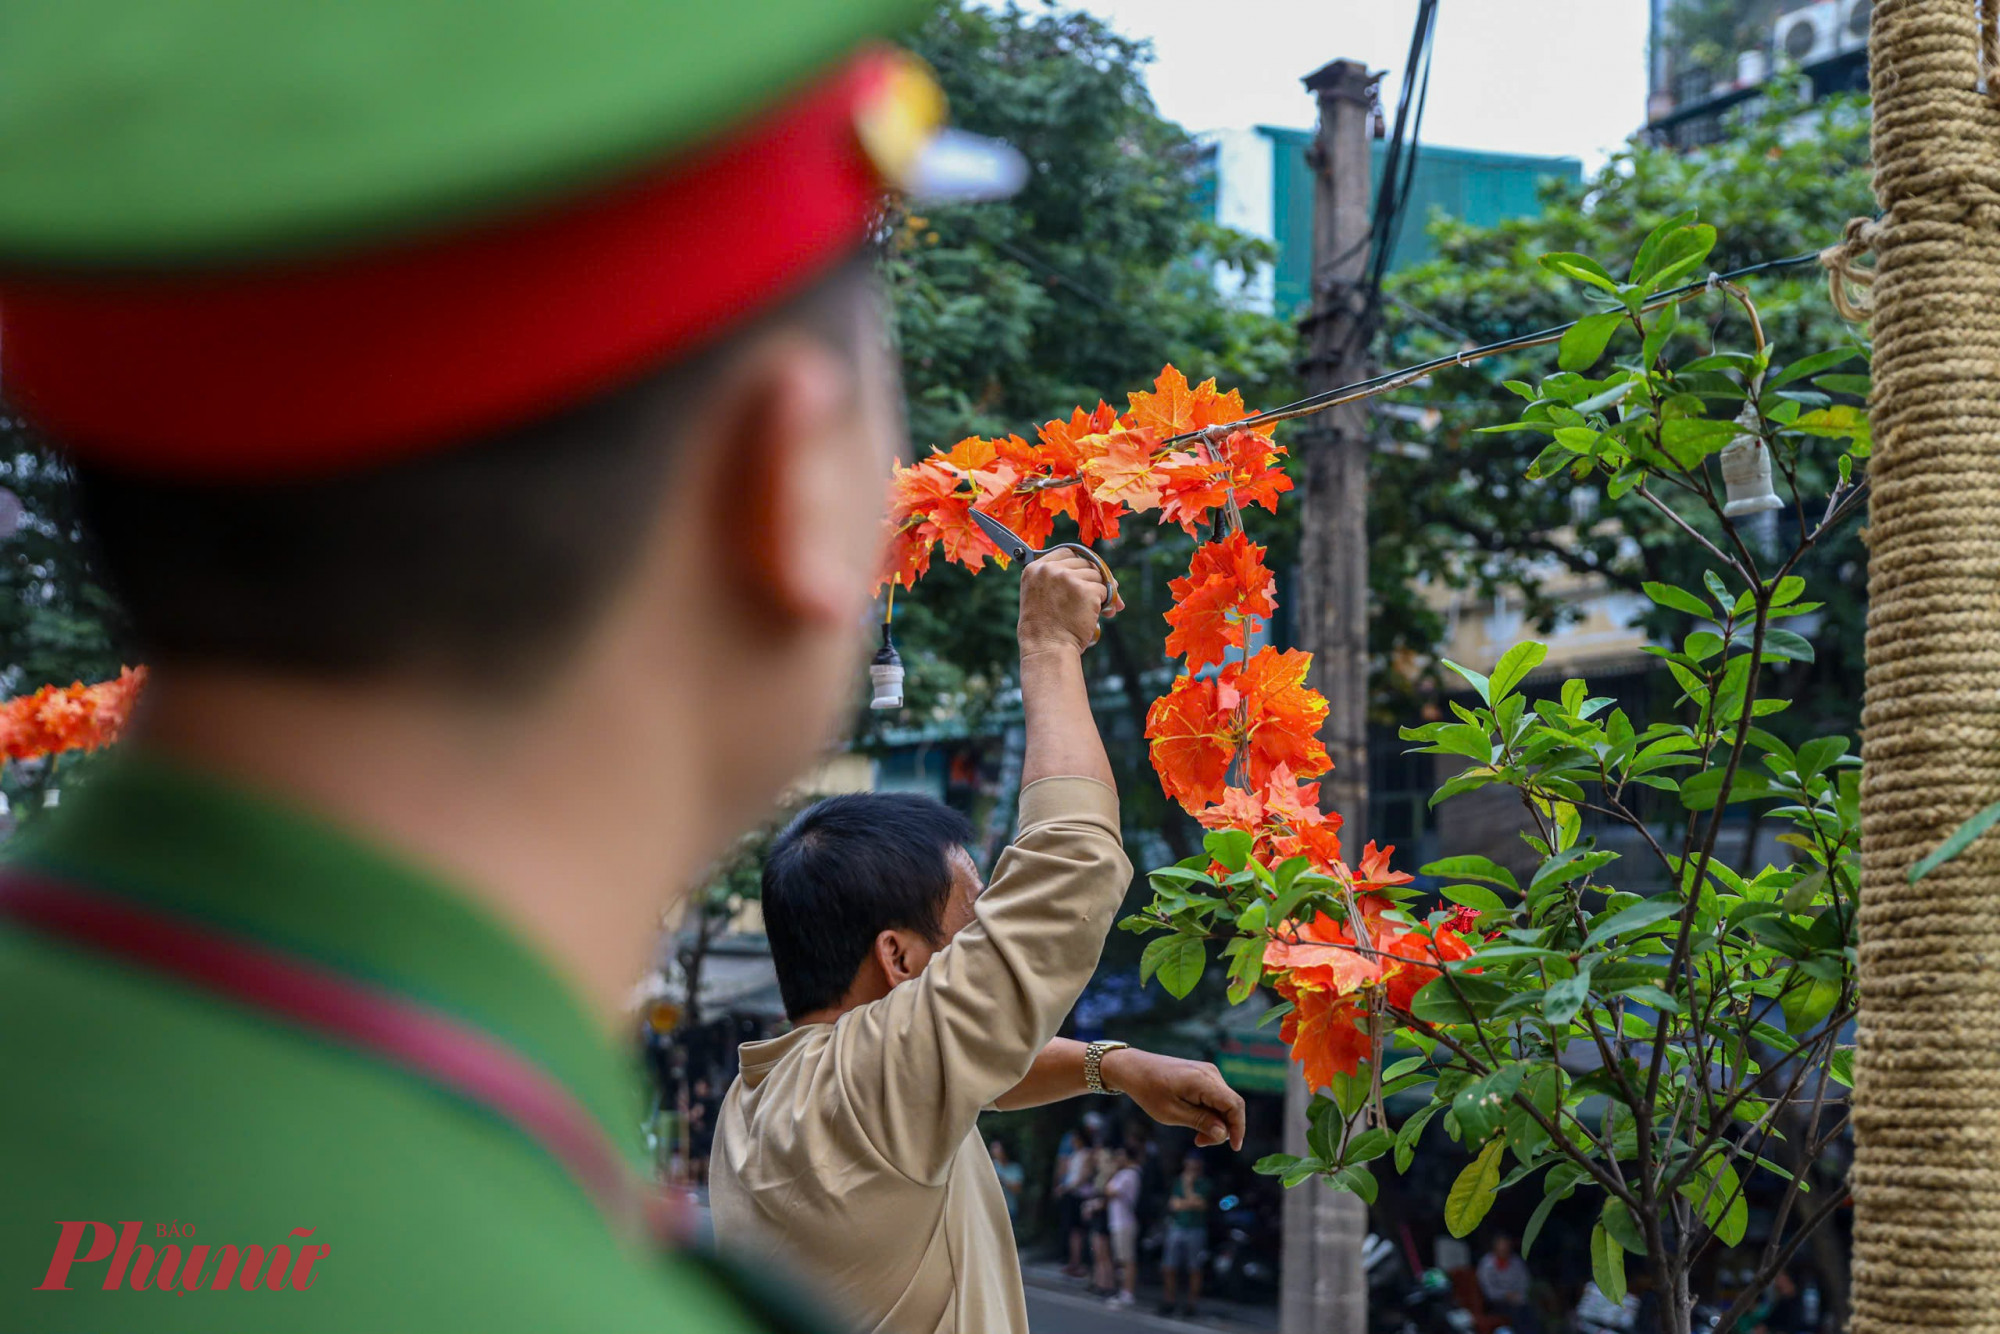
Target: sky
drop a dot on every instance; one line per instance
(1518, 76)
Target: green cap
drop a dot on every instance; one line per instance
(150, 133)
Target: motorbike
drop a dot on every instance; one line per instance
(1245, 1264)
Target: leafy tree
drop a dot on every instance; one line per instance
(1783, 183)
(1668, 1053)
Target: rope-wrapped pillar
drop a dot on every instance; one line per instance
(1927, 1094)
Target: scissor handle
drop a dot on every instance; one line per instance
(1110, 579)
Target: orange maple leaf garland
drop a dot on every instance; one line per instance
(55, 719)
(1235, 739)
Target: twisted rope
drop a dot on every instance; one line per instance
(1926, 1176)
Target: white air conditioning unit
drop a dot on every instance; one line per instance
(1854, 16)
(1809, 34)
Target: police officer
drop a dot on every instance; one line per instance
(481, 413)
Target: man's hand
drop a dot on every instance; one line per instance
(1062, 595)
(1178, 1093)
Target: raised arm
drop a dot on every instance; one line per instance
(919, 1064)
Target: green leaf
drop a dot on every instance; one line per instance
(1584, 343)
(1178, 877)
(1559, 1185)
(1582, 268)
(1640, 915)
(1514, 666)
(1474, 1191)
(1841, 1068)
(1246, 971)
(1412, 1130)
(1177, 961)
(1703, 790)
(1688, 440)
(1647, 262)
(1677, 256)
(1478, 681)
(1367, 1146)
(1473, 867)
(1350, 1091)
(1807, 1004)
(1482, 1105)
(1788, 646)
(1275, 1164)
(1607, 1264)
(1278, 1011)
(1679, 599)
(1356, 1179)
(1231, 847)
(1477, 897)
(1438, 1003)
(1809, 366)
(1715, 1191)
(1961, 838)
(1624, 1230)
(1566, 996)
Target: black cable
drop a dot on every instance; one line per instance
(1388, 379)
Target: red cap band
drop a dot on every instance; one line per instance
(333, 365)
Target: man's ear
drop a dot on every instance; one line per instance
(782, 421)
(900, 954)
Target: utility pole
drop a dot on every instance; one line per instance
(1324, 1288)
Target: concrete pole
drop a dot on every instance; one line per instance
(1324, 1288)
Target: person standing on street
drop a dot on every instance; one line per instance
(920, 998)
(1012, 1178)
(1186, 1251)
(1121, 1196)
(480, 414)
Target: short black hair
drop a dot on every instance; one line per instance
(482, 563)
(843, 872)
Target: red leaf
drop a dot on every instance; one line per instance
(1226, 584)
(1192, 730)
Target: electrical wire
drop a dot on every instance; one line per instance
(1387, 380)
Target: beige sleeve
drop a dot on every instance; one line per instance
(918, 1065)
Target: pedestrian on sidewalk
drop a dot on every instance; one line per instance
(1121, 1195)
(1186, 1252)
(920, 998)
(1012, 1178)
(1076, 1175)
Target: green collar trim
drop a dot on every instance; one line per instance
(186, 842)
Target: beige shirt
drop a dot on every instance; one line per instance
(854, 1146)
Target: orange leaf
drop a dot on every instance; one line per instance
(55, 719)
(1225, 585)
(1281, 716)
(1173, 408)
(1193, 735)
(1125, 472)
(1324, 1032)
(1253, 470)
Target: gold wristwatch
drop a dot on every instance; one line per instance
(1093, 1059)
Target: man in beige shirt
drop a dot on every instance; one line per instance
(851, 1143)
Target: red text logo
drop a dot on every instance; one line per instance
(136, 1265)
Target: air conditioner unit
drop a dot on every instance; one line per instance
(1854, 16)
(1810, 34)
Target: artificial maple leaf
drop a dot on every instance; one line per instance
(1323, 1031)
(1318, 843)
(1281, 716)
(1226, 584)
(1287, 799)
(1190, 489)
(55, 719)
(921, 488)
(1066, 447)
(1374, 873)
(1237, 810)
(1174, 409)
(969, 454)
(907, 557)
(1254, 474)
(1126, 472)
(1417, 960)
(1192, 731)
(1323, 952)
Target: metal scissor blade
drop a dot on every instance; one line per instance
(1003, 537)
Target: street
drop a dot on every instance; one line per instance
(1052, 1312)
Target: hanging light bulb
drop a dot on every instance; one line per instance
(885, 671)
(1746, 471)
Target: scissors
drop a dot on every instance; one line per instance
(1014, 548)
